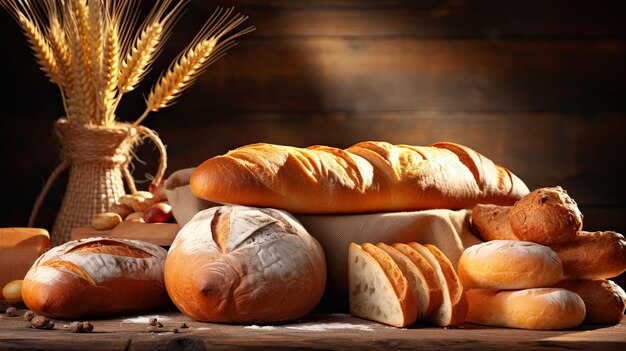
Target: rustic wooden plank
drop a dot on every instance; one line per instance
(477, 18)
(317, 331)
(345, 74)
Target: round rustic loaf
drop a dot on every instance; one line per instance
(237, 264)
(509, 264)
(546, 216)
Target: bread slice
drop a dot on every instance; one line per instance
(453, 308)
(378, 290)
(431, 280)
(417, 282)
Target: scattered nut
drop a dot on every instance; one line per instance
(159, 324)
(11, 312)
(87, 327)
(41, 322)
(153, 321)
(106, 220)
(29, 315)
(183, 325)
(76, 327)
(175, 331)
(121, 210)
(50, 325)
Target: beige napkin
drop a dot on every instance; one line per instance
(446, 229)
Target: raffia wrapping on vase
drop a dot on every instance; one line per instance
(98, 159)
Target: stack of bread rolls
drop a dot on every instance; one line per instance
(550, 217)
(404, 283)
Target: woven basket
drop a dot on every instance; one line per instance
(98, 159)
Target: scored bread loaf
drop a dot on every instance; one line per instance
(237, 264)
(546, 216)
(367, 177)
(540, 308)
(604, 300)
(415, 278)
(378, 290)
(509, 264)
(593, 255)
(453, 308)
(431, 280)
(97, 277)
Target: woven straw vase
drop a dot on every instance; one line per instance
(98, 159)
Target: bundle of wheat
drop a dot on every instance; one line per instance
(90, 50)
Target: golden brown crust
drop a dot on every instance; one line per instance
(546, 216)
(604, 300)
(491, 222)
(265, 269)
(367, 177)
(597, 255)
(97, 277)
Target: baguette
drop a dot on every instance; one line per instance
(604, 300)
(97, 277)
(367, 177)
(593, 255)
(541, 309)
(453, 308)
(432, 281)
(416, 280)
(378, 290)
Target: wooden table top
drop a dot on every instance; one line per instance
(317, 331)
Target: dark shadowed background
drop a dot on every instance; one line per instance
(537, 86)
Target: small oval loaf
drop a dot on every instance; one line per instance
(546, 216)
(508, 264)
(491, 222)
(97, 277)
(593, 255)
(236, 264)
(367, 177)
(541, 309)
(604, 300)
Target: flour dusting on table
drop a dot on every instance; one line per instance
(145, 319)
(258, 327)
(330, 326)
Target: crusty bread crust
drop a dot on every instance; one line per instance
(367, 177)
(491, 222)
(97, 277)
(604, 300)
(593, 255)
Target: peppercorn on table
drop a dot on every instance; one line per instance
(317, 331)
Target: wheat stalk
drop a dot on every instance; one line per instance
(110, 67)
(202, 52)
(95, 37)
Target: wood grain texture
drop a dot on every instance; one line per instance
(317, 331)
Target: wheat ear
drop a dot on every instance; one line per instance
(96, 26)
(38, 44)
(82, 75)
(202, 52)
(146, 45)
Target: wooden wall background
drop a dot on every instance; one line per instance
(538, 86)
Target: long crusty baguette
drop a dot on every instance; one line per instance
(97, 277)
(378, 290)
(367, 177)
(597, 255)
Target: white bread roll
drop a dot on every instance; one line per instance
(236, 264)
(416, 280)
(508, 264)
(453, 308)
(541, 308)
(97, 277)
(604, 300)
(378, 290)
(367, 177)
